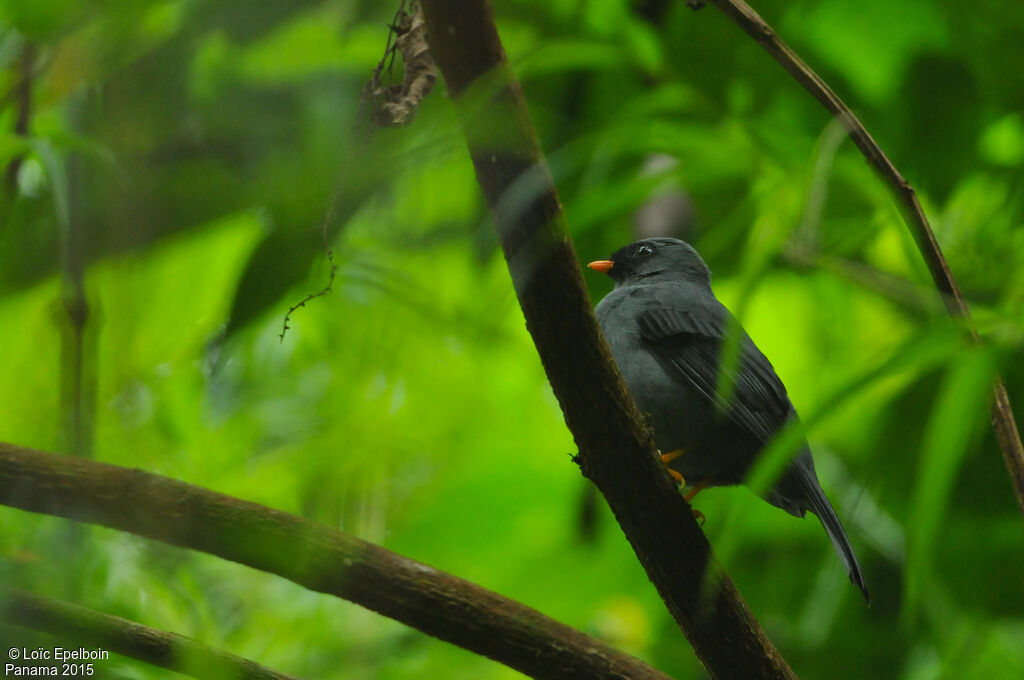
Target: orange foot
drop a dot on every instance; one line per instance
(689, 496)
(667, 458)
(696, 489)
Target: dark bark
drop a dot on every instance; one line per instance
(72, 623)
(615, 447)
(312, 555)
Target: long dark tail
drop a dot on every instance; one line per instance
(820, 506)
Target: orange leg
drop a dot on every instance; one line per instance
(689, 496)
(667, 458)
(696, 489)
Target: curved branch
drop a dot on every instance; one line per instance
(314, 556)
(127, 638)
(615, 445)
(906, 198)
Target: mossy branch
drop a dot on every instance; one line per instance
(314, 556)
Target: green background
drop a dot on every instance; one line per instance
(192, 148)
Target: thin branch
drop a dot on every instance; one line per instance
(314, 556)
(78, 321)
(22, 95)
(331, 275)
(615, 447)
(912, 299)
(83, 626)
(1003, 421)
(393, 105)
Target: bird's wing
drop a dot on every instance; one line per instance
(687, 337)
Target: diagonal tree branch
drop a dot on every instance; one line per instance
(128, 638)
(615, 447)
(757, 28)
(314, 556)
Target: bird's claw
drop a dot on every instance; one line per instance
(667, 458)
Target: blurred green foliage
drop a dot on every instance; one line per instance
(191, 148)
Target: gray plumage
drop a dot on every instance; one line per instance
(666, 330)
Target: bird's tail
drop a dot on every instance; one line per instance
(820, 506)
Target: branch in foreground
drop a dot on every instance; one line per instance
(1002, 413)
(314, 556)
(616, 449)
(155, 647)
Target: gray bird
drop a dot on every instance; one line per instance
(666, 330)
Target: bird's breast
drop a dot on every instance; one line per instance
(675, 412)
(680, 417)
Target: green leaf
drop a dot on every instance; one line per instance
(959, 409)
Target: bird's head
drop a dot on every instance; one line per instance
(666, 258)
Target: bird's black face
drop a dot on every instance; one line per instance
(654, 257)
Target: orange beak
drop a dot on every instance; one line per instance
(601, 265)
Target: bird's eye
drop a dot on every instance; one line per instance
(645, 250)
